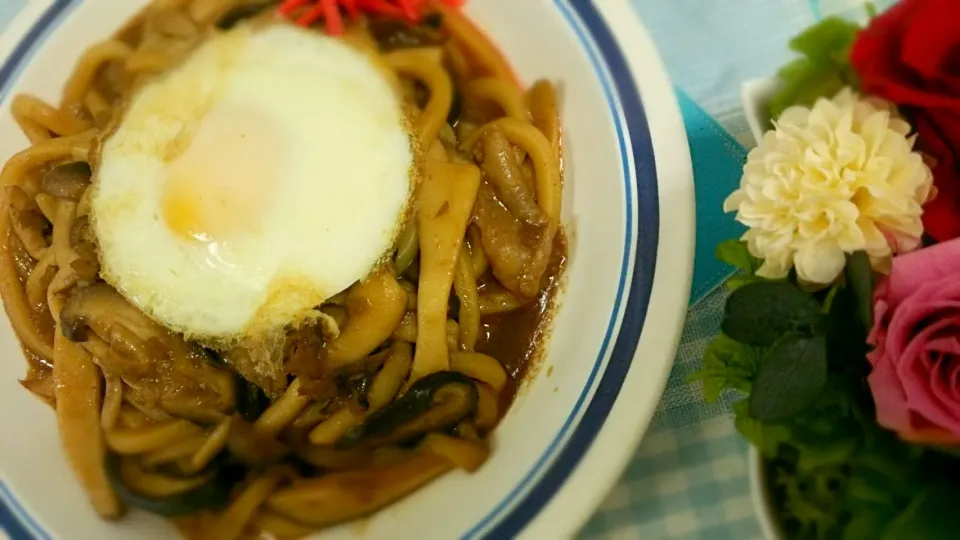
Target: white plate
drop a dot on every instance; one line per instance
(629, 209)
(755, 96)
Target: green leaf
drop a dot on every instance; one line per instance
(951, 451)
(845, 331)
(727, 364)
(738, 281)
(864, 525)
(760, 313)
(932, 515)
(734, 252)
(821, 39)
(861, 279)
(827, 452)
(822, 70)
(807, 82)
(767, 438)
(790, 379)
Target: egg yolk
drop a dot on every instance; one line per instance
(221, 175)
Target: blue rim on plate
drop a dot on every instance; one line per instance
(571, 443)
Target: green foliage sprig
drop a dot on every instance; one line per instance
(822, 69)
(799, 359)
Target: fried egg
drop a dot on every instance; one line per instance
(267, 172)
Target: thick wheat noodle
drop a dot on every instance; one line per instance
(66, 276)
(546, 165)
(132, 417)
(47, 116)
(422, 66)
(230, 524)
(284, 411)
(204, 12)
(14, 296)
(32, 240)
(158, 485)
(504, 93)
(465, 285)
(337, 425)
(279, 526)
(216, 441)
(481, 367)
(125, 343)
(183, 449)
(33, 130)
(129, 441)
(390, 379)
(39, 279)
(96, 103)
(488, 411)
(477, 254)
(146, 61)
(66, 214)
(79, 385)
(382, 391)
(490, 61)
(48, 205)
(498, 301)
(112, 402)
(87, 67)
(457, 61)
(546, 116)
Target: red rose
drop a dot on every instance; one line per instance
(910, 55)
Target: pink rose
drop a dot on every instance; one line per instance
(916, 363)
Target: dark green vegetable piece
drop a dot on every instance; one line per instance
(760, 313)
(434, 403)
(242, 12)
(213, 494)
(790, 378)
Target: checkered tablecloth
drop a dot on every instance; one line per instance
(688, 480)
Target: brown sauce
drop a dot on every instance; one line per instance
(518, 338)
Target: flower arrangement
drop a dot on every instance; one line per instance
(843, 327)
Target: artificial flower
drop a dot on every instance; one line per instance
(916, 363)
(910, 55)
(834, 179)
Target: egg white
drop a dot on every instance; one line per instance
(312, 135)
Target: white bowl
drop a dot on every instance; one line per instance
(629, 208)
(756, 95)
(762, 497)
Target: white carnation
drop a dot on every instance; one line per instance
(838, 178)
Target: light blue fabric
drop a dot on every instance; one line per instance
(9, 8)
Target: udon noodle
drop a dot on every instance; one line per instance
(331, 437)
